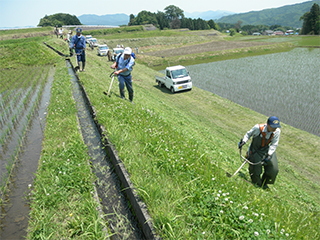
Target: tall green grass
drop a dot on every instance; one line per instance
(177, 148)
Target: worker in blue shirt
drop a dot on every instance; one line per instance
(78, 42)
(123, 66)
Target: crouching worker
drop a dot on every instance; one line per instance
(265, 139)
(123, 66)
(78, 42)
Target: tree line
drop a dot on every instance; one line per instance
(172, 18)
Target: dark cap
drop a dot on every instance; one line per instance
(274, 122)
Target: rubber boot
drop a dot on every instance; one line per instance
(83, 65)
(131, 97)
(122, 93)
(256, 180)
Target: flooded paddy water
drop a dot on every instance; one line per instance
(24, 99)
(283, 84)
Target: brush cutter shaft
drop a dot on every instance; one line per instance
(110, 85)
(244, 162)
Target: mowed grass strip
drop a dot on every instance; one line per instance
(177, 148)
(62, 206)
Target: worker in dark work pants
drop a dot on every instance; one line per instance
(123, 66)
(265, 139)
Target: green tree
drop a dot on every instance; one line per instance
(172, 12)
(131, 19)
(232, 32)
(163, 22)
(59, 19)
(212, 24)
(311, 21)
(145, 17)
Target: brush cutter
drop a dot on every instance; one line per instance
(244, 162)
(108, 93)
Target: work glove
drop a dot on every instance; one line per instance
(267, 159)
(241, 143)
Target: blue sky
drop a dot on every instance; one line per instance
(20, 13)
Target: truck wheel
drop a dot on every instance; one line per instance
(160, 84)
(172, 90)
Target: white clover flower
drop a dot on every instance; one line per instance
(227, 193)
(256, 214)
(59, 171)
(241, 217)
(44, 161)
(245, 207)
(68, 160)
(250, 221)
(203, 233)
(268, 231)
(220, 191)
(213, 179)
(226, 199)
(217, 198)
(29, 186)
(287, 234)
(48, 194)
(218, 195)
(262, 214)
(282, 230)
(224, 194)
(256, 234)
(221, 211)
(231, 202)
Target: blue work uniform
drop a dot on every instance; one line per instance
(124, 78)
(80, 43)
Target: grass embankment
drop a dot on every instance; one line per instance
(177, 148)
(61, 199)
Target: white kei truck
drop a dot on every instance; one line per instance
(176, 79)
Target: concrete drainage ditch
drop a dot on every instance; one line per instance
(114, 186)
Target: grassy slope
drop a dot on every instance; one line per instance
(216, 125)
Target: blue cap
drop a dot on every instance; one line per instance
(274, 122)
(79, 30)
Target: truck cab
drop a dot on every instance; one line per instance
(176, 79)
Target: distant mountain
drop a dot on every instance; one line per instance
(288, 15)
(108, 19)
(208, 15)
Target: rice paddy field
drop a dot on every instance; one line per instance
(177, 148)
